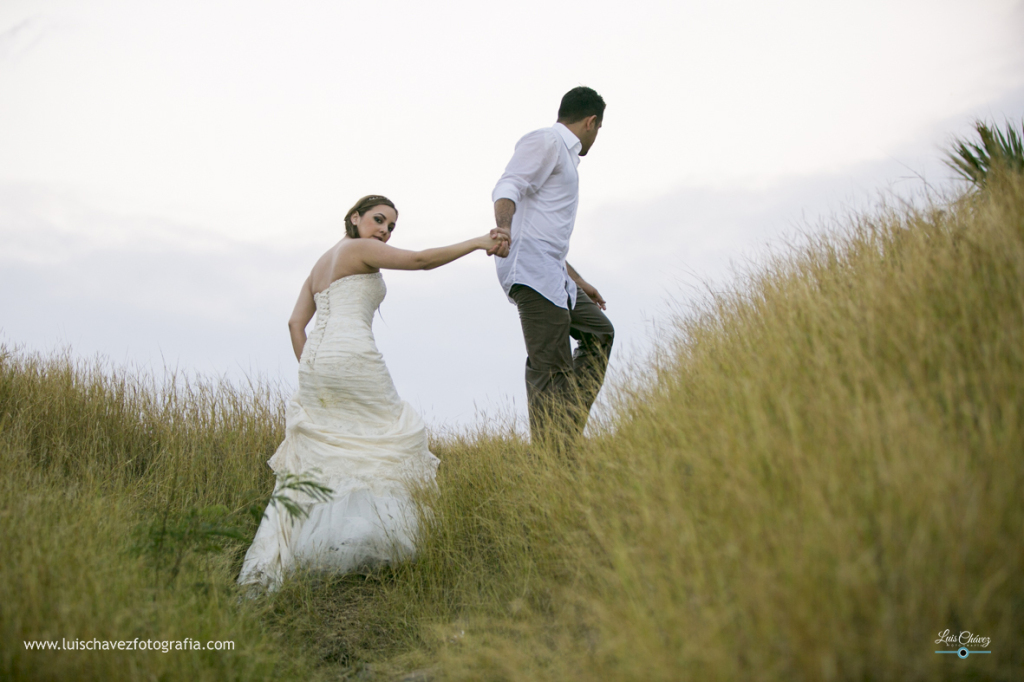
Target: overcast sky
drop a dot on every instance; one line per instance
(169, 171)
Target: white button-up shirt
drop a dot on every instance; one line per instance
(542, 180)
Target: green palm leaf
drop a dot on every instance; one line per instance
(997, 149)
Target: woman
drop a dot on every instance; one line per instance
(345, 427)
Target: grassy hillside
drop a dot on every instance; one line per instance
(817, 475)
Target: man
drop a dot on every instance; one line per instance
(535, 209)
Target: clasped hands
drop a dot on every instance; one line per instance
(504, 234)
(501, 249)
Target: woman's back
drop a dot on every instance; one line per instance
(338, 262)
(342, 376)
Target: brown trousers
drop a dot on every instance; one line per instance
(562, 385)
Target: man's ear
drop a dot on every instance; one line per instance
(591, 122)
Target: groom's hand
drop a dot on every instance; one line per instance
(593, 293)
(502, 249)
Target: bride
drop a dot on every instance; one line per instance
(346, 429)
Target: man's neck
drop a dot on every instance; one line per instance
(575, 128)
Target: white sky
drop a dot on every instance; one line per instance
(170, 170)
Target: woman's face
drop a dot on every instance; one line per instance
(377, 223)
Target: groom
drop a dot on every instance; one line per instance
(535, 208)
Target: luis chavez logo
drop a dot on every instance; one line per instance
(960, 642)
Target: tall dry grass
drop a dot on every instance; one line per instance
(823, 474)
(92, 459)
(820, 473)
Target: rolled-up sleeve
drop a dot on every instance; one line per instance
(532, 163)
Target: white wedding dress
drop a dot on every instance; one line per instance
(347, 429)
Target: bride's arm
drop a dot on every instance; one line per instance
(376, 254)
(305, 307)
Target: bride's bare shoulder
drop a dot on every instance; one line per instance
(341, 260)
(322, 273)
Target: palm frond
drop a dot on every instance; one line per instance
(305, 486)
(997, 149)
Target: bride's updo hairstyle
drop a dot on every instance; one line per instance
(361, 207)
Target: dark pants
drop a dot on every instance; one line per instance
(562, 385)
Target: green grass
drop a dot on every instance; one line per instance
(820, 472)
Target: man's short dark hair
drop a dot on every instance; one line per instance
(579, 103)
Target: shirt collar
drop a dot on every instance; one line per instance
(571, 141)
